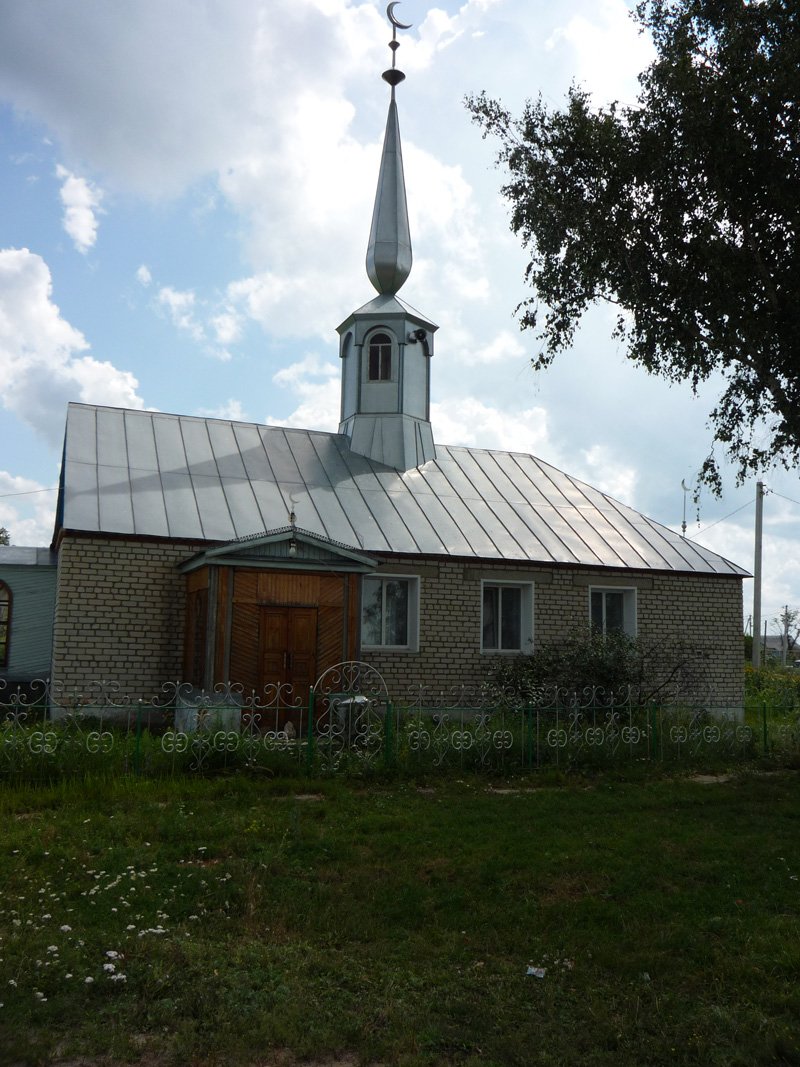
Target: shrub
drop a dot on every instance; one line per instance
(614, 667)
(772, 684)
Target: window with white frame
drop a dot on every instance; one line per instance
(379, 358)
(613, 611)
(389, 611)
(506, 617)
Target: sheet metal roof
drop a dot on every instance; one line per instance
(22, 556)
(176, 476)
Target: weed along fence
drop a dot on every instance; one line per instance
(348, 724)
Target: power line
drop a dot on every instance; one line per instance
(29, 492)
(776, 493)
(718, 521)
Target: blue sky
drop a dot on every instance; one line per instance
(187, 193)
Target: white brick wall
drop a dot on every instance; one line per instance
(119, 613)
(120, 610)
(705, 611)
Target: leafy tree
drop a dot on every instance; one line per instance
(682, 211)
(5, 537)
(787, 624)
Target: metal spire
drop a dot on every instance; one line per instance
(389, 250)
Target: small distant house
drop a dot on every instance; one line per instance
(215, 551)
(27, 601)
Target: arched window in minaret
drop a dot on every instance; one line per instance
(379, 358)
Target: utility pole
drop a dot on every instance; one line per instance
(757, 576)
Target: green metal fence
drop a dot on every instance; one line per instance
(348, 724)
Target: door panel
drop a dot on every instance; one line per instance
(289, 648)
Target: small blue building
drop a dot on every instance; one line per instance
(27, 605)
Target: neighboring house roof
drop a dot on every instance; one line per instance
(151, 474)
(20, 556)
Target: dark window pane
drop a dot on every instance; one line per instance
(615, 614)
(491, 596)
(380, 358)
(597, 611)
(511, 620)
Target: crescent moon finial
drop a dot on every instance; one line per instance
(392, 18)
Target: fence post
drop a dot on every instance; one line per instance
(388, 739)
(137, 751)
(310, 745)
(653, 733)
(528, 751)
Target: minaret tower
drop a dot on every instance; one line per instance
(386, 346)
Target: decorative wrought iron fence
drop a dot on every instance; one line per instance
(349, 724)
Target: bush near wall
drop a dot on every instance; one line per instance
(623, 669)
(777, 686)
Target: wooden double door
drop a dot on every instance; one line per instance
(288, 642)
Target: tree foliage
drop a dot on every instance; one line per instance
(787, 626)
(682, 211)
(5, 537)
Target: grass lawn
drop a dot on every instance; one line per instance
(236, 921)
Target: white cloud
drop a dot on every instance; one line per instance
(81, 202)
(439, 31)
(316, 384)
(505, 346)
(185, 313)
(471, 422)
(180, 307)
(42, 365)
(606, 472)
(27, 509)
(227, 326)
(608, 51)
(143, 275)
(231, 409)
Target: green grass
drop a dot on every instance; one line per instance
(396, 923)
